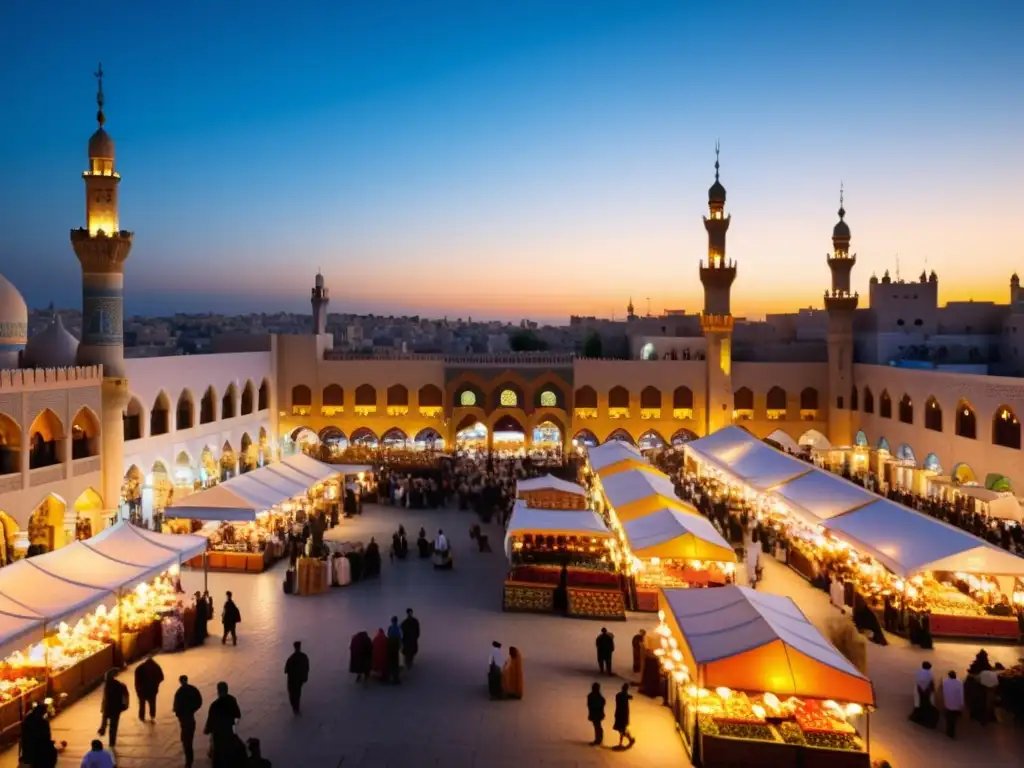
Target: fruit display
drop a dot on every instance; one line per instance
(945, 600)
(597, 603)
(521, 597)
(12, 689)
(840, 741)
(709, 726)
(791, 734)
(814, 718)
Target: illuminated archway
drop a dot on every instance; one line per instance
(966, 421)
(812, 438)
(683, 436)
(248, 455)
(365, 437)
(184, 472)
(932, 464)
(89, 510)
(471, 435)
(586, 438)
(650, 440)
(45, 435)
(621, 434)
(10, 446)
(547, 435)
(861, 439)
(906, 453)
(85, 434)
(209, 467)
(163, 486)
(394, 438)
(508, 433)
(334, 439)
(132, 484)
(7, 530)
(429, 439)
(46, 525)
(883, 444)
(228, 462)
(1005, 428)
(962, 473)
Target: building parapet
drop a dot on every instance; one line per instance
(26, 378)
(517, 359)
(717, 323)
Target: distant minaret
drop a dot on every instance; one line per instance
(319, 299)
(630, 314)
(1015, 295)
(716, 321)
(102, 248)
(840, 303)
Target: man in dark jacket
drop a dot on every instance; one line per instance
(113, 702)
(605, 647)
(187, 701)
(148, 677)
(220, 726)
(231, 617)
(410, 638)
(296, 670)
(595, 712)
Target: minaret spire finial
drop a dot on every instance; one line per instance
(98, 74)
(717, 149)
(842, 209)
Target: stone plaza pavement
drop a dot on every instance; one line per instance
(440, 715)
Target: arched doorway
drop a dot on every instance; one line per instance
(813, 439)
(906, 453)
(509, 435)
(861, 439)
(131, 492)
(184, 473)
(683, 436)
(88, 514)
(7, 530)
(44, 438)
(471, 435)
(428, 439)
(963, 474)
(883, 444)
(46, 526)
(264, 445)
(248, 455)
(209, 468)
(547, 436)
(364, 437)
(650, 440)
(163, 487)
(620, 434)
(85, 435)
(334, 440)
(10, 446)
(586, 438)
(302, 439)
(394, 439)
(932, 464)
(228, 462)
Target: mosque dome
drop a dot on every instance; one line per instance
(53, 347)
(841, 229)
(13, 317)
(716, 194)
(101, 145)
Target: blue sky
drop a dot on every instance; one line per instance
(514, 159)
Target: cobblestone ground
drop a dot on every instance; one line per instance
(440, 715)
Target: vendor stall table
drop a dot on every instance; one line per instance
(994, 627)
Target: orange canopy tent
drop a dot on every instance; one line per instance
(750, 641)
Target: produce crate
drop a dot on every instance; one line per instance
(216, 561)
(528, 597)
(195, 562)
(597, 604)
(69, 681)
(994, 627)
(33, 696)
(95, 667)
(10, 712)
(235, 561)
(725, 752)
(256, 563)
(646, 600)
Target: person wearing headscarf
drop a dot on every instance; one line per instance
(380, 654)
(512, 674)
(621, 725)
(361, 656)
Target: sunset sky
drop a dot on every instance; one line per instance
(533, 158)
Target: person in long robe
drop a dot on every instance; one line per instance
(380, 654)
(361, 656)
(621, 724)
(752, 559)
(410, 638)
(371, 559)
(394, 650)
(925, 712)
(638, 649)
(512, 674)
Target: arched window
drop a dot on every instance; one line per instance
(264, 398)
(366, 395)
(508, 398)
(853, 398)
(248, 394)
(618, 397)
(966, 421)
(682, 398)
(776, 399)
(932, 415)
(906, 409)
(185, 416)
(430, 396)
(44, 436)
(398, 395)
(227, 403)
(809, 399)
(743, 399)
(885, 405)
(333, 396)
(159, 423)
(85, 434)
(548, 399)
(132, 420)
(10, 446)
(302, 395)
(1006, 428)
(650, 398)
(207, 407)
(468, 398)
(586, 397)
(869, 401)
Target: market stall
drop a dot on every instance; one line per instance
(616, 456)
(671, 548)
(752, 682)
(635, 493)
(562, 561)
(550, 492)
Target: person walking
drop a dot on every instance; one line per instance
(639, 640)
(148, 677)
(97, 756)
(296, 670)
(220, 726)
(187, 701)
(410, 638)
(952, 702)
(622, 699)
(113, 702)
(256, 758)
(595, 713)
(394, 651)
(605, 648)
(230, 617)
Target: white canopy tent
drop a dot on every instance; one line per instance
(821, 495)
(611, 453)
(549, 483)
(635, 484)
(759, 465)
(187, 547)
(996, 504)
(302, 482)
(310, 467)
(20, 627)
(248, 488)
(553, 522)
(130, 544)
(286, 479)
(52, 597)
(78, 564)
(672, 533)
(907, 542)
(220, 502)
(718, 446)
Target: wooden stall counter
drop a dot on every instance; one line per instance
(528, 597)
(994, 627)
(766, 751)
(597, 603)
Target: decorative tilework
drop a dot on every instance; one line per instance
(54, 399)
(103, 321)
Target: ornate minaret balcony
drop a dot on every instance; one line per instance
(841, 263)
(841, 301)
(102, 252)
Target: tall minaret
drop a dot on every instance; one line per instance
(716, 321)
(840, 303)
(319, 299)
(102, 248)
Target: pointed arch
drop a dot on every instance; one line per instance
(906, 409)
(508, 423)
(861, 439)
(1005, 428)
(932, 414)
(248, 398)
(808, 399)
(184, 411)
(303, 434)
(364, 436)
(229, 403)
(10, 445)
(650, 440)
(366, 397)
(743, 399)
(132, 419)
(548, 431)
(508, 394)
(932, 464)
(883, 444)
(885, 405)
(618, 397)
(586, 438)
(854, 404)
(332, 434)
(398, 396)
(650, 399)
(966, 421)
(468, 421)
(585, 397)
(45, 434)
(869, 400)
(429, 438)
(333, 396)
(245, 443)
(394, 438)
(264, 395)
(160, 415)
(85, 434)
(46, 524)
(906, 453)
(302, 396)
(775, 400)
(620, 434)
(430, 396)
(682, 398)
(812, 438)
(208, 406)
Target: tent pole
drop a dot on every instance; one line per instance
(120, 645)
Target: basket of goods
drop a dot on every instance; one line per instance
(709, 726)
(812, 717)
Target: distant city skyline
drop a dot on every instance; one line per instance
(528, 161)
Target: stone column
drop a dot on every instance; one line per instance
(21, 543)
(115, 397)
